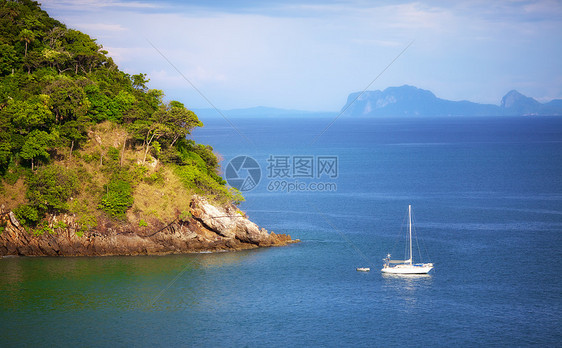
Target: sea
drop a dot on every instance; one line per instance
(486, 196)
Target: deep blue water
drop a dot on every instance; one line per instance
(487, 198)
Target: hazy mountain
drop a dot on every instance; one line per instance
(515, 103)
(411, 101)
(553, 107)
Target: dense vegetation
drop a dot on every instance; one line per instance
(79, 136)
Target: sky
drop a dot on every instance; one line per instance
(310, 55)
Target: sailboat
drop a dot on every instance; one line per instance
(406, 266)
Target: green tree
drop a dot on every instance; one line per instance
(56, 58)
(73, 133)
(68, 99)
(117, 199)
(5, 150)
(8, 59)
(124, 101)
(153, 132)
(179, 121)
(50, 188)
(53, 38)
(55, 54)
(83, 49)
(169, 122)
(206, 153)
(10, 9)
(33, 61)
(30, 114)
(139, 82)
(104, 107)
(36, 146)
(26, 36)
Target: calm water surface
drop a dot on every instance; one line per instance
(487, 197)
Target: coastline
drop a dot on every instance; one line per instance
(209, 228)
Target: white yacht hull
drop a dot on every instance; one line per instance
(408, 269)
(406, 266)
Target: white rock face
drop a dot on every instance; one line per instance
(228, 222)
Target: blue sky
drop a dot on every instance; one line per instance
(309, 55)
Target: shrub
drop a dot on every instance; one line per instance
(113, 155)
(86, 218)
(60, 225)
(117, 199)
(154, 178)
(192, 177)
(184, 215)
(27, 215)
(13, 173)
(86, 222)
(42, 229)
(235, 195)
(50, 188)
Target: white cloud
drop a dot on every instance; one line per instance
(94, 5)
(164, 77)
(100, 27)
(311, 57)
(385, 43)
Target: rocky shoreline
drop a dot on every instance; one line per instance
(210, 228)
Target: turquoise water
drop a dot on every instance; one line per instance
(487, 198)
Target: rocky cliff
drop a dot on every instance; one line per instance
(209, 228)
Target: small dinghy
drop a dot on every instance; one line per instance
(362, 269)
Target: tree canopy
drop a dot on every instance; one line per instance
(56, 84)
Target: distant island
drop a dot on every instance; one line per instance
(259, 112)
(93, 162)
(403, 101)
(410, 101)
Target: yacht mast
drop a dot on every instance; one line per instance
(410, 220)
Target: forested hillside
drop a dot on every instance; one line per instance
(80, 137)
